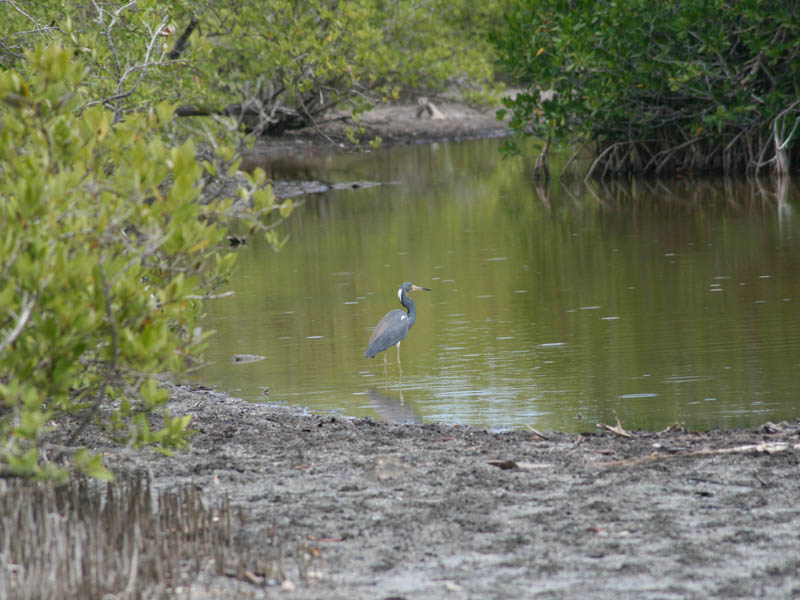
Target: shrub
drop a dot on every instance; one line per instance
(105, 253)
(266, 65)
(659, 87)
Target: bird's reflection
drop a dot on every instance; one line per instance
(391, 408)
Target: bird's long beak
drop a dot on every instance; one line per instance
(416, 287)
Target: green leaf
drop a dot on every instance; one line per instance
(92, 465)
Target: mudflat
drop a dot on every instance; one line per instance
(365, 509)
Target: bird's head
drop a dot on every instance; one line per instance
(409, 287)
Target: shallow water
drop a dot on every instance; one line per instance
(551, 307)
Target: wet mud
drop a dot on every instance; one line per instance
(369, 510)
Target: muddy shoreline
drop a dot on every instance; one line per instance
(360, 509)
(436, 511)
(405, 123)
(375, 510)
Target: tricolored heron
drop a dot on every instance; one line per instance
(393, 327)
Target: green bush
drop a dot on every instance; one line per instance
(659, 87)
(267, 65)
(288, 63)
(105, 252)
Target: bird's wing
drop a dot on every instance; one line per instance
(392, 328)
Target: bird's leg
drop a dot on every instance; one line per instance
(399, 367)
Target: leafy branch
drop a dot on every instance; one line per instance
(659, 89)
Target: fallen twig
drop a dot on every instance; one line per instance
(616, 428)
(544, 437)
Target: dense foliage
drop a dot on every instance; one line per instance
(105, 252)
(659, 87)
(108, 243)
(270, 65)
(287, 63)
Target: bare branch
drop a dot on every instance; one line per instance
(27, 306)
(27, 32)
(24, 14)
(142, 68)
(210, 296)
(125, 94)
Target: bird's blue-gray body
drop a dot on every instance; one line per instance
(394, 326)
(390, 330)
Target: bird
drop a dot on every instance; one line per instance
(393, 327)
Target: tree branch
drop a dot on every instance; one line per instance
(27, 306)
(24, 14)
(182, 42)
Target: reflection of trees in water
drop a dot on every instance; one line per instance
(723, 195)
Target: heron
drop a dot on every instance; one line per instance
(393, 327)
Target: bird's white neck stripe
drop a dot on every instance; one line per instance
(400, 294)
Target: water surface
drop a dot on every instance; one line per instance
(552, 306)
